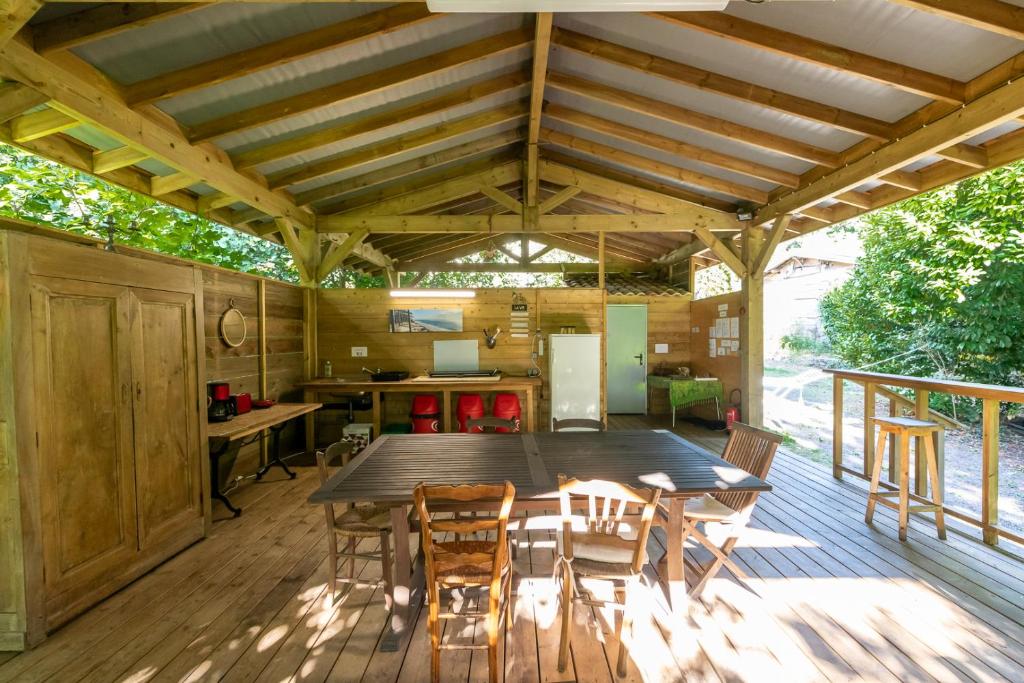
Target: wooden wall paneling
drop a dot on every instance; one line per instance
(199, 311)
(703, 313)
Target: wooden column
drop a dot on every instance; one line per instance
(921, 412)
(600, 260)
(990, 470)
(309, 354)
(869, 427)
(752, 331)
(261, 325)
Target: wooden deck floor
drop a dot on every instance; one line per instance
(834, 600)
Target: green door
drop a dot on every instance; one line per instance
(627, 359)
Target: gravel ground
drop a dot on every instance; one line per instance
(798, 403)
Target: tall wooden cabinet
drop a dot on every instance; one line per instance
(101, 437)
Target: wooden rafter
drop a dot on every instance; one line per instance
(413, 140)
(632, 195)
(557, 199)
(998, 106)
(14, 14)
(989, 15)
(722, 85)
(338, 252)
(483, 49)
(817, 52)
(277, 53)
(760, 261)
(555, 223)
(84, 97)
(660, 168)
(119, 157)
(104, 21)
(377, 122)
(679, 148)
(16, 99)
(692, 119)
(502, 199)
(541, 51)
(414, 169)
(40, 124)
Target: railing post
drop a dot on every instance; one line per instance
(894, 461)
(837, 426)
(869, 427)
(921, 412)
(990, 470)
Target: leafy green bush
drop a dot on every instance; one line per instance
(939, 291)
(800, 342)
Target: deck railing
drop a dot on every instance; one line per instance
(878, 385)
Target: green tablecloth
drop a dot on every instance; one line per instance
(688, 392)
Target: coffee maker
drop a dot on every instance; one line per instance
(218, 402)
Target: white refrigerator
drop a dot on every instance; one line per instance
(574, 374)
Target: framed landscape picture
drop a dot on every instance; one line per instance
(425, 320)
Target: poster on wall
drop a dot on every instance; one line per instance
(425, 320)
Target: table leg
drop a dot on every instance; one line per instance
(446, 411)
(215, 479)
(406, 586)
(376, 414)
(275, 432)
(310, 421)
(676, 567)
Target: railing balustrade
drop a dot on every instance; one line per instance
(879, 385)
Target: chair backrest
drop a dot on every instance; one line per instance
(439, 560)
(752, 450)
(342, 450)
(606, 506)
(576, 423)
(492, 422)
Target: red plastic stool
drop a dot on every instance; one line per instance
(506, 406)
(425, 414)
(470, 406)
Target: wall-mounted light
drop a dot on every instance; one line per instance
(433, 293)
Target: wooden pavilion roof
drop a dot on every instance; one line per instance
(386, 137)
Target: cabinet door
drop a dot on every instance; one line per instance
(82, 368)
(167, 448)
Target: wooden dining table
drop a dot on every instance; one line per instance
(389, 470)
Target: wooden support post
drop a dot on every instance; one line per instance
(869, 427)
(837, 427)
(752, 330)
(894, 461)
(990, 470)
(600, 260)
(261, 326)
(310, 355)
(691, 275)
(921, 412)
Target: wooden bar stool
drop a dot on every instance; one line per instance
(904, 428)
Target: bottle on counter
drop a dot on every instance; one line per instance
(328, 369)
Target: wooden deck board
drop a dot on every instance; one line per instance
(832, 599)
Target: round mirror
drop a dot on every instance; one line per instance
(232, 326)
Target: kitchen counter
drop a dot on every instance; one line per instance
(530, 386)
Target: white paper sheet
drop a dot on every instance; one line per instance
(461, 354)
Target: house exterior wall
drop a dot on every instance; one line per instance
(792, 293)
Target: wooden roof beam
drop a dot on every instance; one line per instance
(556, 223)
(723, 85)
(989, 15)
(677, 173)
(483, 49)
(40, 124)
(277, 53)
(1000, 105)
(692, 119)
(968, 155)
(502, 199)
(679, 148)
(413, 140)
(415, 169)
(817, 52)
(83, 94)
(16, 99)
(104, 21)
(378, 121)
(541, 51)
(113, 159)
(14, 14)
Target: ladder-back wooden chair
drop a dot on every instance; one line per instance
(576, 423)
(751, 450)
(463, 564)
(356, 523)
(604, 544)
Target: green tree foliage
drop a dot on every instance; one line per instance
(940, 288)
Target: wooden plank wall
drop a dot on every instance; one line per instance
(240, 366)
(668, 322)
(703, 314)
(348, 318)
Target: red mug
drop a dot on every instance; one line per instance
(241, 403)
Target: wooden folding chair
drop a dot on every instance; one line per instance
(599, 546)
(354, 524)
(462, 564)
(749, 449)
(576, 423)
